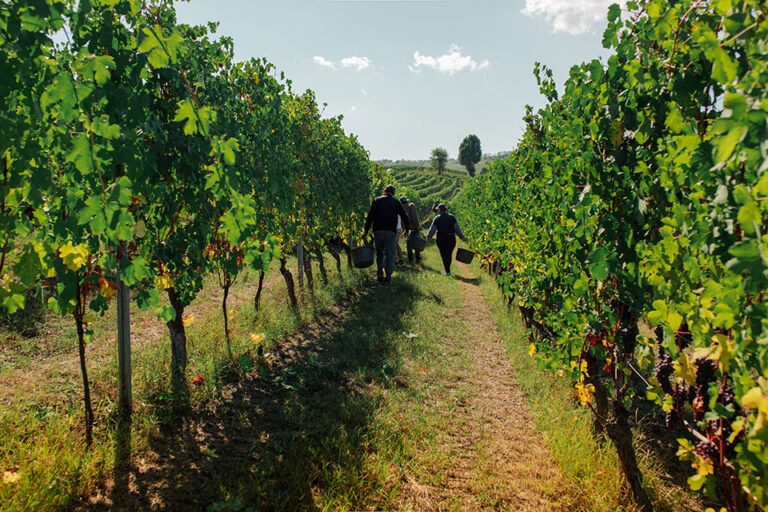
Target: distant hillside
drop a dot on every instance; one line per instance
(452, 164)
(424, 186)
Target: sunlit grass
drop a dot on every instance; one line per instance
(567, 427)
(41, 431)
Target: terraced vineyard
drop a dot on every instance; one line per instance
(423, 186)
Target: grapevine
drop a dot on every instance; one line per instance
(638, 196)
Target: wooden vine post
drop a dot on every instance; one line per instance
(125, 395)
(300, 258)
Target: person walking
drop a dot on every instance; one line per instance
(400, 231)
(414, 229)
(383, 217)
(447, 229)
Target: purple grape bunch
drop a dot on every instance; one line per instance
(664, 371)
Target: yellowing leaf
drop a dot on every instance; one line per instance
(737, 427)
(11, 477)
(256, 337)
(685, 450)
(668, 404)
(702, 466)
(164, 281)
(531, 349)
(584, 393)
(74, 257)
(684, 371)
(723, 351)
(755, 399)
(107, 288)
(188, 320)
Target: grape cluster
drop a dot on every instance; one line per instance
(727, 397)
(683, 336)
(664, 371)
(659, 332)
(628, 337)
(707, 450)
(684, 394)
(705, 371)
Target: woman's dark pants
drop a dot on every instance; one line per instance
(446, 244)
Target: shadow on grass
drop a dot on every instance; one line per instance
(121, 465)
(469, 280)
(656, 438)
(294, 431)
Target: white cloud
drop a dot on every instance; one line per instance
(353, 108)
(450, 63)
(572, 16)
(359, 63)
(365, 93)
(322, 61)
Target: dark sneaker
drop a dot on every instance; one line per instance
(380, 278)
(387, 279)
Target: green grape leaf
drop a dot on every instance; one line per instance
(186, 114)
(136, 271)
(31, 263)
(726, 145)
(81, 154)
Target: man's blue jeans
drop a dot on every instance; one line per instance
(385, 251)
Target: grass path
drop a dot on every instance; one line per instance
(497, 458)
(354, 412)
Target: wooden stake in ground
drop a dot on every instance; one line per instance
(300, 258)
(125, 397)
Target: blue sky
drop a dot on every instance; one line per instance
(410, 75)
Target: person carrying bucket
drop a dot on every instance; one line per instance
(447, 228)
(413, 229)
(383, 216)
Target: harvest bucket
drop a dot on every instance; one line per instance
(464, 256)
(362, 257)
(419, 244)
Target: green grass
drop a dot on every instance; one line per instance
(567, 428)
(40, 429)
(341, 411)
(335, 418)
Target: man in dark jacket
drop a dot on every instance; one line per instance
(447, 229)
(383, 217)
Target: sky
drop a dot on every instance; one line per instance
(411, 75)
